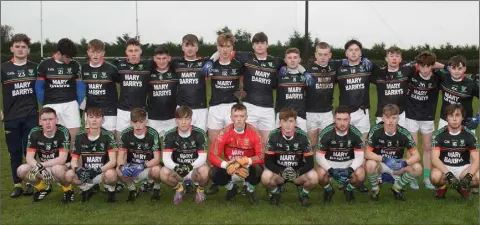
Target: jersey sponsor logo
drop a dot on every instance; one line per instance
(324, 83)
(188, 78)
(354, 84)
(50, 69)
(96, 89)
(294, 93)
(453, 158)
(419, 95)
(186, 158)
(224, 84)
(22, 88)
(340, 155)
(288, 160)
(160, 90)
(132, 80)
(140, 66)
(452, 99)
(59, 84)
(69, 70)
(93, 162)
(139, 156)
(104, 75)
(261, 77)
(10, 73)
(393, 89)
(47, 156)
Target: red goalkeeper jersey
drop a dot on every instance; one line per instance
(232, 145)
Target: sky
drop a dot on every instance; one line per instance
(401, 23)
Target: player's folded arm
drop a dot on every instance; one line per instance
(271, 164)
(321, 160)
(167, 158)
(308, 164)
(201, 146)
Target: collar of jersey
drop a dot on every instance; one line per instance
(178, 132)
(449, 130)
(283, 134)
(13, 61)
(101, 63)
(55, 131)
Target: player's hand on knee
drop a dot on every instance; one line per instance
(137, 168)
(391, 163)
(399, 164)
(451, 179)
(94, 172)
(183, 169)
(232, 167)
(83, 174)
(466, 180)
(125, 170)
(32, 175)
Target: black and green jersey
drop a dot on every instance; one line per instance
(48, 148)
(288, 152)
(422, 96)
(458, 92)
(455, 149)
(134, 80)
(340, 148)
(60, 80)
(18, 82)
(192, 88)
(185, 150)
(101, 87)
(94, 154)
(225, 82)
(392, 87)
(320, 96)
(162, 95)
(354, 85)
(291, 91)
(139, 149)
(260, 78)
(388, 146)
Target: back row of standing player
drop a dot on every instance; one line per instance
(164, 83)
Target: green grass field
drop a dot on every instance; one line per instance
(420, 208)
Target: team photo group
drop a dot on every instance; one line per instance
(140, 123)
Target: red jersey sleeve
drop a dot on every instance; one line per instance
(255, 135)
(217, 148)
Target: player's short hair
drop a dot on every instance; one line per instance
(134, 42)
(353, 42)
(96, 45)
(138, 115)
(20, 38)
(183, 112)
(292, 50)
(259, 37)
(190, 39)
(224, 38)
(94, 111)
(48, 110)
(238, 107)
(458, 60)
(160, 50)
(67, 47)
(342, 109)
(390, 110)
(426, 58)
(286, 113)
(323, 45)
(394, 50)
(450, 109)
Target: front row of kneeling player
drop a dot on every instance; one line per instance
(237, 155)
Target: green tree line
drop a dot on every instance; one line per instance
(243, 43)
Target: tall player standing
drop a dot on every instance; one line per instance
(100, 78)
(59, 85)
(20, 112)
(192, 87)
(422, 98)
(225, 75)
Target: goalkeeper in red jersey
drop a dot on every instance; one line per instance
(240, 144)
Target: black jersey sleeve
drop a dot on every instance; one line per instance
(65, 138)
(32, 139)
(323, 141)
(308, 156)
(122, 144)
(77, 146)
(169, 142)
(271, 165)
(370, 142)
(156, 142)
(242, 56)
(436, 139)
(111, 144)
(41, 69)
(472, 143)
(475, 89)
(201, 140)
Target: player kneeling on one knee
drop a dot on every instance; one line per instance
(454, 147)
(240, 145)
(289, 158)
(51, 143)
(385, 145)
(139, 155)
(97, 151)
(340, 155)
(184, 156)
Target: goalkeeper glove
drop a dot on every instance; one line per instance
(82, 174)
(243, 161)
(451, 179)
(350, 171)
(32, 175)
(232, 167)
(207, 68)
(137, 168)
(366, 63)
(471, 123)
(47, 176)
(289, 174)
(125, 170)
(391, 163)
(466, 180)
(333, 173)
(95, 172)
(242, 172)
